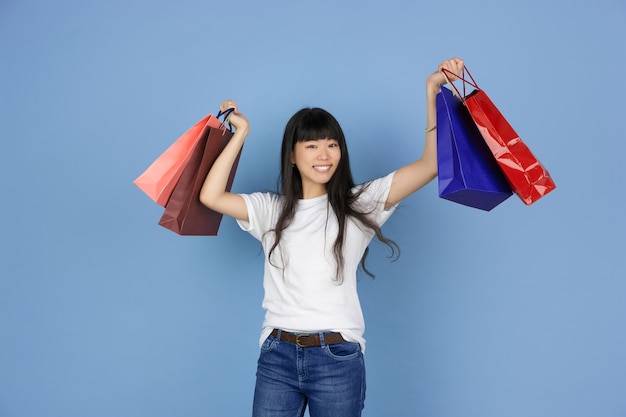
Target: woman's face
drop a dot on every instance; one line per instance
(317, 161)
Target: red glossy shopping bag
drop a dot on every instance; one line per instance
(184, 213)
(528, 178)
(159, 179)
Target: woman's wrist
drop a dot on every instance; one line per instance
(432, 90)
(241, 133)
(434, 82)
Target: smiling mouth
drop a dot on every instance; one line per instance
(321, 168)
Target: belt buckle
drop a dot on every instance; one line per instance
(298, 336)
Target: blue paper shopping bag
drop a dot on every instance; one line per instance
(468, 171)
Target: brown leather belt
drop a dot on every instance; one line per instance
(308, 340)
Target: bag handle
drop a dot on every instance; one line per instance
(226, 114)
(461, 77)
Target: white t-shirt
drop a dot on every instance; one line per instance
(302, 294)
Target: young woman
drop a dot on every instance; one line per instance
(314, 234)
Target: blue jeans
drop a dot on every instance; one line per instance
(330, 379)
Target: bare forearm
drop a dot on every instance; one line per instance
(429, 155)
(213, 193)
(433, 84)
(415, 175)
(216, 180)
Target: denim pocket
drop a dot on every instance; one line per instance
(269, 344)
(344, 351)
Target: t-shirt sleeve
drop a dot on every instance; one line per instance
(261, 211)
(374, 198)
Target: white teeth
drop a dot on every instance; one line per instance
(321, 168)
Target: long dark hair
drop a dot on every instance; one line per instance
(314, 124)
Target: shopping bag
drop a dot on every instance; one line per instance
(159, 179)
(528, 178)
(184, 213)
(468, 173)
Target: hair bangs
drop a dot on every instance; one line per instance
(317, 125)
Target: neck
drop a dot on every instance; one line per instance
(313, 191)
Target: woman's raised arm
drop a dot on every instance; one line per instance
(213, 193)
(415, 175)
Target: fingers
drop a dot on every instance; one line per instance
(236, 119)
(454, 66)
(228, 104)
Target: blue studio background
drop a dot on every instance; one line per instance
(518, 312)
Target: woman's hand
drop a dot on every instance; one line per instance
(236, 119)
(436, 79)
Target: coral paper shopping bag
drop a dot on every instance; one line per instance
(159, 179)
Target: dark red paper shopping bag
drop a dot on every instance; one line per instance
(527, 176)
(184, 213)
